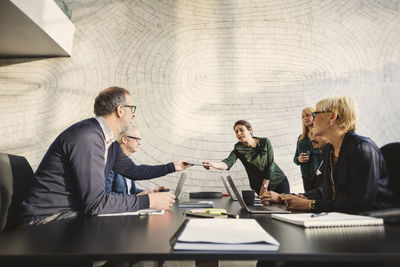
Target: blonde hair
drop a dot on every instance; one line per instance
(345, 108)
(308, 111)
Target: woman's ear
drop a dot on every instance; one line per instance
(333, 117)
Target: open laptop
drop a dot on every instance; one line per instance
(254, 209)
(179, 186)
(227, 189)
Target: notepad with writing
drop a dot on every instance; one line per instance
(223, 234)
(331, 219)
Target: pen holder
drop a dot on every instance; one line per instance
(248, 197)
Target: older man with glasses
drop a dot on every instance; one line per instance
(130, 140)
(70, 179)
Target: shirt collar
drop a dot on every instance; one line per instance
(109, 136)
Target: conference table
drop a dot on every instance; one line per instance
(92, 238)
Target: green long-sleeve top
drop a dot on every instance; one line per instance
(307, 168)
(258, 162)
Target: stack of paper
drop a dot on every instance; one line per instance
(223, 234)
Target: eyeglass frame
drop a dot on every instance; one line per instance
(132, 107)
(134, 137)
(315, 113)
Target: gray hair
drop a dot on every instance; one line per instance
(124, 132)
(108, 100)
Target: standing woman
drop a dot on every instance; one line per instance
(355, 177)
(306, 156)
(257, 156)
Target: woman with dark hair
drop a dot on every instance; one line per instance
(306, 156)
(257, 156)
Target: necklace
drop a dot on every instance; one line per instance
(331, 175)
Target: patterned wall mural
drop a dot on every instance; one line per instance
(195, 67)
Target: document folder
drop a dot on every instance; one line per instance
(223, 234)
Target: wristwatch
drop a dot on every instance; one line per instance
(312, 205)
(266, 186)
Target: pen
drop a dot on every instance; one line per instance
(202, 215)
(319, 214)
(235, 216)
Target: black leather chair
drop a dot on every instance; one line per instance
(391, 154)
(16, 177)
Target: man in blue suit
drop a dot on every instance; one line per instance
(130, 140)
(70, 179)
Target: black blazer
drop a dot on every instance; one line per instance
(359, 181)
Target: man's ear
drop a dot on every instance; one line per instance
(120, 111)
(124, 140)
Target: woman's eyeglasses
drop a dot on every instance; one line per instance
(314, 114)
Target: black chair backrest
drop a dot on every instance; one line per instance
(391, 154)
(15, 181)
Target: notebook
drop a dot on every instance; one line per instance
(227, 189)
(331, 219)
(223, 234)
(254, 209)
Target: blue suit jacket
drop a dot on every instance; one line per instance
(116, 183)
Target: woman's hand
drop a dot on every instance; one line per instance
(216, 165)
(303, 157)
(270, 196)
(296, 203)
(207, 164)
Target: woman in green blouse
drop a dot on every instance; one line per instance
(306, 156)
(257, 156)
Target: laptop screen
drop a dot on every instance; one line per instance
(236, 192)
(180, 185)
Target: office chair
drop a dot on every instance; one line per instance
(16, 177)
(391, 154)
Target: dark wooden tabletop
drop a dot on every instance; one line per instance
(147, 238)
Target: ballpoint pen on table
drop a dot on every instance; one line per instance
(319, 214)
(235, 216)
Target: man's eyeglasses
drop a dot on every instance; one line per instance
(133, 108)
(134, 137)
(314, 114)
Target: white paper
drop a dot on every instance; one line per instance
(225, 231)
(139, 212)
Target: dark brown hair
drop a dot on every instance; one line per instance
(108, 100)
(244, 123)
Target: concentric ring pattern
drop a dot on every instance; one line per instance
(195, 67)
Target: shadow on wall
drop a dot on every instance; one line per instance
(19, 60)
